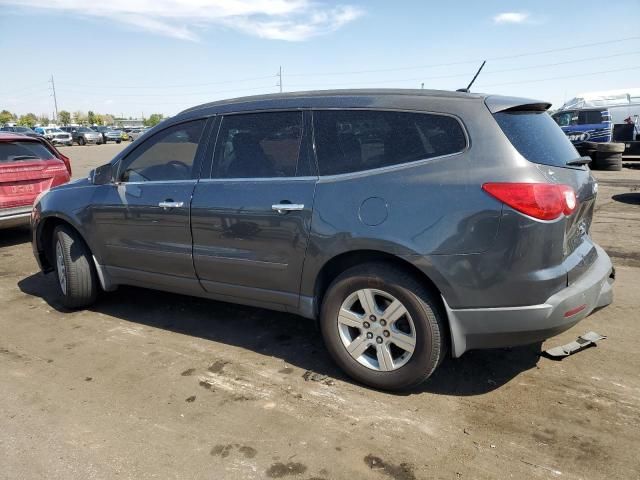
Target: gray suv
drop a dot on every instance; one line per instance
(410, 224)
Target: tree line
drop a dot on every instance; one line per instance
(65, 118)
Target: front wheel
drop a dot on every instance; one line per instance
(118, 141)
(81, 141)
(75, 271)
(383, 327)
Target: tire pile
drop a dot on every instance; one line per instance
(605, 156)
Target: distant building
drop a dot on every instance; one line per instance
(129, 123)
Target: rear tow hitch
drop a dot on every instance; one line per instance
(582, 342)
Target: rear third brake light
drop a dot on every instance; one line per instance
(544, 201)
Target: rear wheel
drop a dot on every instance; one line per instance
(118, 141)
(383, 327)
(81, 141)
(75, 272)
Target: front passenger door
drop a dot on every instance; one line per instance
(143, 218)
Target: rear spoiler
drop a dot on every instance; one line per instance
(497, 103)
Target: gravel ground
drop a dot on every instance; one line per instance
(153, 385)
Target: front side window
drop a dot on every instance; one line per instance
(258, 145)
(355, 140)
(167, 156)
(565, 119)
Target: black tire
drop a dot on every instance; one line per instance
(81, 141)
(118, 141)
(421, 304)
(610, 147)
(608, 161)
(81, 283)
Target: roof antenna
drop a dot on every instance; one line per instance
(473, 80)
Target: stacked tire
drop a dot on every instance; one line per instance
(606, 156)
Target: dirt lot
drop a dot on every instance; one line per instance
(152, 385)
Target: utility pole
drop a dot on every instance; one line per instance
(55, 100)
(279, 84)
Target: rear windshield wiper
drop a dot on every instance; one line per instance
(579, 161)
(22, 157)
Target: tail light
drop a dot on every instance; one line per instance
(544, 201)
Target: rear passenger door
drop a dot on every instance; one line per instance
(251, 218)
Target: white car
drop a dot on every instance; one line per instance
(55, 135)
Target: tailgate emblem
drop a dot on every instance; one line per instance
(582, 228)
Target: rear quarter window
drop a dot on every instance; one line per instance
(356, 140)
(537, 137)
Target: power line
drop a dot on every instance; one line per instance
(465, 62)
(563, 77)
(224, 82)
(184, 94)
(469, 74)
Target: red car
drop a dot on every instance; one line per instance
(28, 166)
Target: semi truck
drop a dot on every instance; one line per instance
(606, 122)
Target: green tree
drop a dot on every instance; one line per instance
(91, 117)
(43, 120)
(153, 120)
(79, 117)
(6, 116)
(98, 119)
(108, 119)
(64, 117)
(28, 120)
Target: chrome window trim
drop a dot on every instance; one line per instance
(381, 170)
(257, 179)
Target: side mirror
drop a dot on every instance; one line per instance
(101, 175)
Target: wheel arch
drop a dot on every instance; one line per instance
(343, 261)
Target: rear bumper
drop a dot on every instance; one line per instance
(478, 328)
(14, 217)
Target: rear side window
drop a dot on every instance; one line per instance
(17, 151)
(588, 117)
(355, 140)
(537, 137)
(258, 145)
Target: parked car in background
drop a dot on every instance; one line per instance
(83, 135)
(55, 135)
(28, 167)
(428, 222)
(21, 130)
(135, 133)
(124, 135)
(108, 134)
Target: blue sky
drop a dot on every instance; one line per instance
(132, 57)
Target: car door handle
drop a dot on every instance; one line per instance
(170, 204)
(283, 208)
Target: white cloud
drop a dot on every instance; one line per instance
(511, 17)
(292, 20)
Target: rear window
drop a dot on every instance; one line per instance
(355, 140)
(537, 137)
(17, 151)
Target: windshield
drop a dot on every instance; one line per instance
(85, 129)
(537, 137)
(16, 151)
